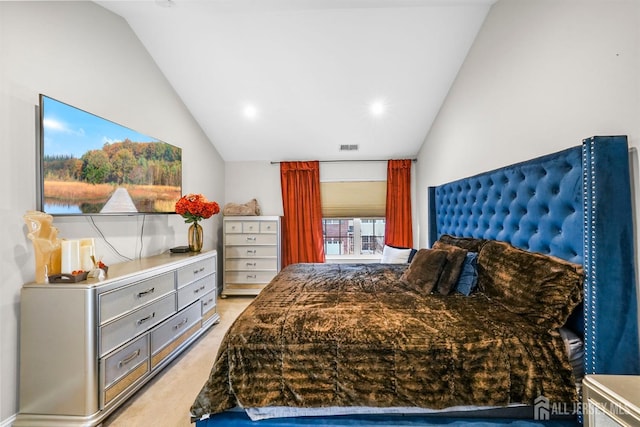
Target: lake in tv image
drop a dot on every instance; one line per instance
(90, 165)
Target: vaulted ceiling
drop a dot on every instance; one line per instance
(298, 79)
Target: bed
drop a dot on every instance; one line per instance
(375, 343)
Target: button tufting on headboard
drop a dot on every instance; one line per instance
(534, 205)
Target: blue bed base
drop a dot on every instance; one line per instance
(574, 204)
(240, 419)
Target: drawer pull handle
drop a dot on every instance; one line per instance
(251, 251)
(206, 303)
(251, 264)
(129, 358)
(200, 270)
(251, 276)
(181, 324)
(201, 288)
(251, 239)
(144, 319)
(148, 291)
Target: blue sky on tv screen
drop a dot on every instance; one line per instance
(71, 131)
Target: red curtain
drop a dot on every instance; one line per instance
(302, 225)
(399, 229)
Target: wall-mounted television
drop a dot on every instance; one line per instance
(93, 166)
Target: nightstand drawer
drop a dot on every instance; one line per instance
(123, 300)
(119, 331)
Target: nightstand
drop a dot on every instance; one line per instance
(611, 400)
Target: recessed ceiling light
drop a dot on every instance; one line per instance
(250, 111)
(165, 3)
(377, 108)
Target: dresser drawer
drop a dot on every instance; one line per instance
(251, 226)
(232, 227)
(117, 302)
(251, 264)
(172, 333)
(208, 304)
(195, 290)
(124, 367)
(251, 239)
(244, 288)
(249, 277)
(121, 330)
(251, 251)
(195, 271)
(269, 227)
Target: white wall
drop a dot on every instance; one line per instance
(254, 180)
(541, 76)
(83, 55)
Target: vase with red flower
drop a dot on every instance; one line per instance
(194, 208)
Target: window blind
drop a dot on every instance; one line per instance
(353, 199)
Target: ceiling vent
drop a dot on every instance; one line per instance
(349, 147)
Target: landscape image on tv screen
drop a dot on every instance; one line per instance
(90, 165)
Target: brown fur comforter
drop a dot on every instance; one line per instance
(352, 335)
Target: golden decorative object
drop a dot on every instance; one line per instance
(45, 243)
(196, 237)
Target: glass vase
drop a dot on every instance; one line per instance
(195, 237)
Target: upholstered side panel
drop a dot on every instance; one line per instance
(611, 315)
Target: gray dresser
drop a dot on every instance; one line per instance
(252, 253)
(86, 347)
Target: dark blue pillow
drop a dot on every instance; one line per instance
(468, 279)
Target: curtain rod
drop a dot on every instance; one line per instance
(342, 161)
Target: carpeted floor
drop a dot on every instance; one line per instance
(166, 399)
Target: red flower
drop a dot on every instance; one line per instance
(195, 207)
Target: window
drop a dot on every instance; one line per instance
(353, 218)
(353, 236)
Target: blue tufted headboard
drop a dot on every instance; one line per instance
(574, 204)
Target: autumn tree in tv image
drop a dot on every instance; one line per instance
(121, 177)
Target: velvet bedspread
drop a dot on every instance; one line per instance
(354, 335)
